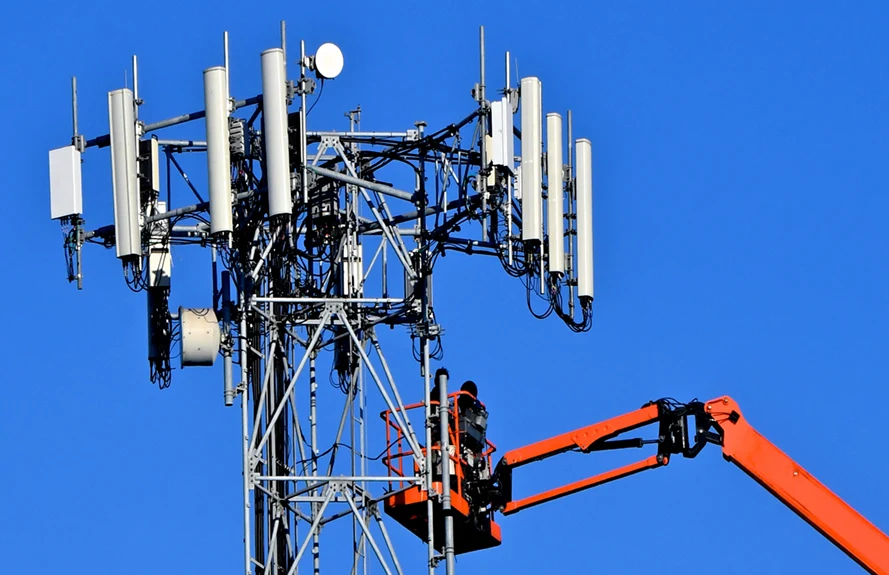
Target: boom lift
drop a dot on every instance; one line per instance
(683, 429)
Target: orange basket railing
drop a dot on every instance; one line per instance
(397, 457)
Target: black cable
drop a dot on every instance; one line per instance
(529, 287)
(346, 446)
(318, 97)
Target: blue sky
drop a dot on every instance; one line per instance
(741, 205)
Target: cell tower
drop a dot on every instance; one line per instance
(315, 246)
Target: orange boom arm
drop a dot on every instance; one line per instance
(796, 488)
(720, 422)
(591, 438)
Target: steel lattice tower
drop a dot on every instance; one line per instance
(313, 252)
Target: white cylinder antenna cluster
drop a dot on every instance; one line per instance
(124, 177)
(555, 211)
(218, 152)
(274, 132)
(584, 219)
(532, 151)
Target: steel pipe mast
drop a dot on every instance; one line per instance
(314, 249)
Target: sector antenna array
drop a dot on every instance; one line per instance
(314, 248)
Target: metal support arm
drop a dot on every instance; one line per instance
(586, 439)
(718, 421)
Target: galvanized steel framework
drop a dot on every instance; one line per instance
(298, 292)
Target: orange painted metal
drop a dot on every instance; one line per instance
(625, 471)
(408, 505)
(741, 444)
(796, 488)
(745, 447)
(581, 438)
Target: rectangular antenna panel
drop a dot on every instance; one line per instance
(65, 184)
(218, 150)
(149, 168)
(353, 273)
(584, 219)
(532, 152)
(124, 177)
(411, 286)
(160, 264)
(156, 317)
(555, 211)
(274, 132)
(503, 153)
(489, 151)
(517, 188)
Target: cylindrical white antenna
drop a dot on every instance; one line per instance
(502, 138)
(124, 179)
(274, 127)
(218, 159)
(532, 150)
(555, 211)
(584, 219)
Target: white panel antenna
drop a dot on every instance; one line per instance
(160, 264)
(503, 140)
(124, 177)
(149, 168)
(65, 184)
(353, 272)
(532, 151)
(555, 211)
(518, 183)
(489, 151)
(584, 219)
(274, 136)
(218, 150)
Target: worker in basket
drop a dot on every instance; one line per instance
(472, 424)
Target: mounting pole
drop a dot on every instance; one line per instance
(77, 141)
(246, 468)
(313, 435)
(136, 93)
(284, 41)
(570, 216)
(443, 413)
(79, 229)
(509, 254)
(228, 388)
(427, 471)
(481, 42)
(304, 180)
(423, 283)
(74, 106)
(483, 131)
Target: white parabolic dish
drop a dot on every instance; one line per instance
(328, 61)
